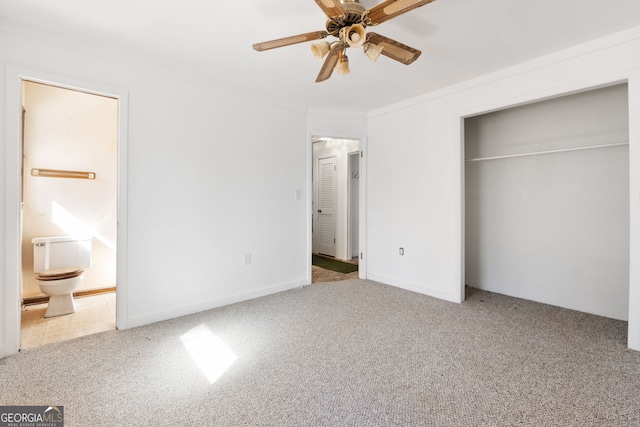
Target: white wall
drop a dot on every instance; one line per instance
(415, 164)
(203, 186)
(337, 123)
(70, 130)
(549, 226)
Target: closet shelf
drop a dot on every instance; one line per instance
(537, 153)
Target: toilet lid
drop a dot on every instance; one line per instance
(59, 273)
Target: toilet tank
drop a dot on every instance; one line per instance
(61, 251)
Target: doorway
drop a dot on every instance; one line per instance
(335, 208)
(73, 135)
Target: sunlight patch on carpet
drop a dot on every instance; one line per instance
(210, 353)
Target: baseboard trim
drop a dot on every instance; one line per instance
(159, 316)
(44, 298)
(415, 288)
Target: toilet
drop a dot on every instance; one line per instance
(59, 264)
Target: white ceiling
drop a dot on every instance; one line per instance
(459, 39)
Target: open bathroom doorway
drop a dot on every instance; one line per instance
(75, 135)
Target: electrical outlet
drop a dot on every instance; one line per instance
(401, 251)
(247, 259)
(298, 194)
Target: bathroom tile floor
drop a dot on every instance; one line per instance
(95, 313)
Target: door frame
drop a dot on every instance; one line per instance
(350, 241)
(362, 200)
(13, 183)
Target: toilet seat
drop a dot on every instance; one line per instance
(59, 273)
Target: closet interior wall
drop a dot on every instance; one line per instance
(547, 201)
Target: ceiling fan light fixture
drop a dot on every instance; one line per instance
(319, 50)
(347, 21)
(353, 35)
(342, 67)
(372, 51)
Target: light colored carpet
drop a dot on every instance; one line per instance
(351, 353)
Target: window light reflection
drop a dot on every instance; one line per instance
(210, 353)
(73, 226)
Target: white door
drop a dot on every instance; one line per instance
(326, 206)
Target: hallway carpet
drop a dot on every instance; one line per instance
(333, 264)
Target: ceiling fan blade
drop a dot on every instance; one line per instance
(392, 8)
(329, 63)
(286, 41)
(393, 49)
(331, 8)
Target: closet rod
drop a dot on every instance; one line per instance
(535, 153)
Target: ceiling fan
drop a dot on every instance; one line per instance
(347, 20)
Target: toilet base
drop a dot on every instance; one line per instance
(59, 305)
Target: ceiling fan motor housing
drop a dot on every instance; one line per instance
(353, 15)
